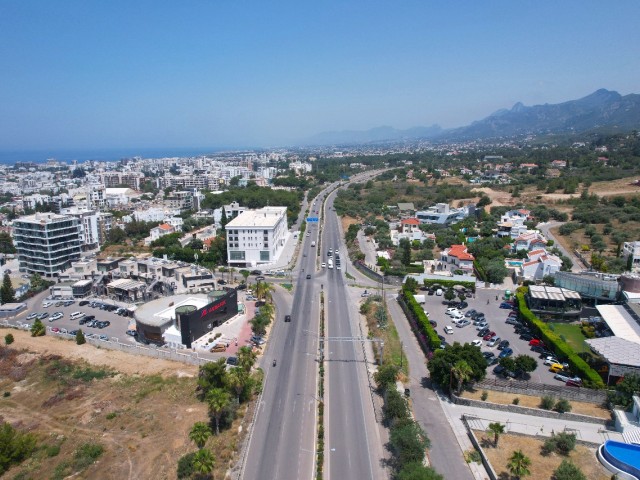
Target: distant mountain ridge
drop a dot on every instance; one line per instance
(601, 109)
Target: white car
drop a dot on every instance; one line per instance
(33, 315)
(458, 316)
(47, 304)
(323, 265)
(494, 341)
(477, 343)
(451, 311)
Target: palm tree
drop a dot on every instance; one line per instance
(519, 464)
(199, 434)
(218, 399)
(203, 463)
(259, 324)
(462, 371)
(497, 429)
(237, 379)
(246, 358)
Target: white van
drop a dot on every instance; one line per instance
(76, 315)
(439, 292)
(448, 329)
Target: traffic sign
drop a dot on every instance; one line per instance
(312, 219)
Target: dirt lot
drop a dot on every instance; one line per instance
(541, 467)
(138, 409)
(581, 408)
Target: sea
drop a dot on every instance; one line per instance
(109, 154)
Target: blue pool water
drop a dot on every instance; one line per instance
(514, 263)
(624, 456)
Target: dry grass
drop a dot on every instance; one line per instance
(541, 467)
(530, 401)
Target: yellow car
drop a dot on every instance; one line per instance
(556, 367)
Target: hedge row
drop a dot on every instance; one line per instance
(552, 340)
(449, 283)
(421, 318)
(480, 273)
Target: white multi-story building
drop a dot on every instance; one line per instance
(632, 249)
(89, 233)
(47, 243)
(256, 236)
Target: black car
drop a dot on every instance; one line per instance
(442, 339)
(260, 303)
(483, 332)
(538, 349)
(287, 318)
(232, 361)
(470, 313)
(503, 344)
(526, 337)
(88, 318)
(83, 303)
(430, 292)
(256, 272)
(221, 282)
(462, 305)
(433, 323)
(242, 286)
(258, 279)
(308, 276)
(499, 370)
(488, 355)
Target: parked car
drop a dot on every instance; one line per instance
(489, 336)
(132, 333)
(462, 305)
(476, 343)
(506, 305)
(494, 341)
(499, 370)
(534, 342)
(103, 337)
(73, 332)
(232, 361)
(503, 344)
(33, 315)
(256, 272)
(323, 265)
(43, 315)
(260, 279)
(463, 323)
(83, 303)
(452, 311)
(433, 323)
(308, 276)
(483, 332)
(488, 355)
(526, 337)
(512, 321)
(459, 316)
(507, 352)
(482, 325)
(556, 367)
(47, 304)
(260, 303)
(448, 329)
(55, 330)
(470, 313)
(574, 382)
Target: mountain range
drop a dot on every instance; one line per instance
(603, 109)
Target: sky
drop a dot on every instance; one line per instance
(89, 74)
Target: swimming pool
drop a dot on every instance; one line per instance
(624, 457)
(514, 263)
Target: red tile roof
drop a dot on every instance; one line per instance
(165, 226)
(411, 221)
(460, 251)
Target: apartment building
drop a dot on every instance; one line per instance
(632, 249)
(47, 243)
(256, 236)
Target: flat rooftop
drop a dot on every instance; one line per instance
(159, 312)
(621, 323)
(264, 217)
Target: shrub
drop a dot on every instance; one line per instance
(52, 450)
(547, 402)
(562, 406)
(421, 319)
(562, 443)
(8, 339)
(515, 401)
(472, 456)
(568, 471)
(185, 465)
(484, 395)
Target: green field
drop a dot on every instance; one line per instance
(572, 335)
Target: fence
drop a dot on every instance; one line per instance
(188, 357)
(524, 387)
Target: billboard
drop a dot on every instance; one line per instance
(196, 323)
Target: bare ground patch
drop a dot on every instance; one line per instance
(542, 467)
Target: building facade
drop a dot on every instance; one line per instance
(47, 243)
(256, 236)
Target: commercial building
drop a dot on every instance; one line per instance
(47, 243)
(553, 302)
(598, 287)
(256, 236)
(632, 249)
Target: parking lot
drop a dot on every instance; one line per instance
(117, 328)
(485, 302)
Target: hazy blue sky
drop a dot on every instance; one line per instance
(187, 73)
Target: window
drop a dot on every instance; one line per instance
(234, 255)
(264, 256)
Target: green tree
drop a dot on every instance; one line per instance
(625, 390)
(407, 442)
(245, 274)
(212, 375)
(117, 236)
(14, 446)
(259, 324)
(237, 379)
(442, 361)
(525, 363)
(6, 243)
(7, 293)
(218, 400)
(562, 406)
(462, 372)
(246, 358)
(497, 429)
(405, 251)
(185, 465)
(8, 339)
(449, 294)
(568, 471)
(519, 464)
(38, 329)
(203, 463)
(386, 376)
(395, 406)
(80, 340)
(199, 434)
(417, 471)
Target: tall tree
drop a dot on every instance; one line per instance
(519, 464)
(199, 434)
(7, 292)
(246, 358)
(462, 372)
(203, 463)
(237, 380)
(218, 400)
(212, 375)
(497, 429)
(80, 340)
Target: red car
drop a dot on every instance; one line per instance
(55, 329)
(489, 336)
(536, 343)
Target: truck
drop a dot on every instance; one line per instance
(420, 298)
